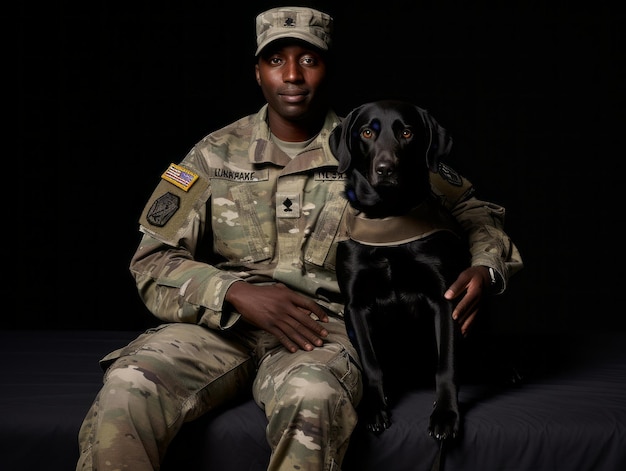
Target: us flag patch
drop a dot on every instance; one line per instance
(179, 176)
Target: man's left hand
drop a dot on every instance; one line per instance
(472, 283)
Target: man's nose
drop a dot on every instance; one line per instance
(292, 72)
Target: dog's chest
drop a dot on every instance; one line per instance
(421, 222)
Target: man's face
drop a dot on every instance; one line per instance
(292, 77)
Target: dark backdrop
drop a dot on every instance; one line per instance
(110, 93)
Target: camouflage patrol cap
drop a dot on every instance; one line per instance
(307, 24)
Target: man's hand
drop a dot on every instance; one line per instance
(281, 312)
(473, 283)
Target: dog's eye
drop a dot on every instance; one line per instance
(407, 134)
(367, 133)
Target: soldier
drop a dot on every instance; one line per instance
(237, 258)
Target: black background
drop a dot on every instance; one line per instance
(109, 93)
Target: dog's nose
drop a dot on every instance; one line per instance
(385, 169)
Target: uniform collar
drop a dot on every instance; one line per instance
(263, 150)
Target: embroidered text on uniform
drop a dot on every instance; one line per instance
(232, 175)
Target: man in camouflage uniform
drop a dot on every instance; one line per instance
(238, 257)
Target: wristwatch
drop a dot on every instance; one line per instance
(494, 280)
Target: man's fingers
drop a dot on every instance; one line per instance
(311, 321)
(300, 331)
(318, 312)
(286, 341)
(468, 322)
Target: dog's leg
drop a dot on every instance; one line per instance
(359, 316)
(374, 398)
(445, 418)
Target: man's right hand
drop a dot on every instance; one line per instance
(280, 311)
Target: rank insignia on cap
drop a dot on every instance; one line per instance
(163, 209)
(450, 175)
(179, 176)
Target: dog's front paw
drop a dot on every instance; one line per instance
(378, 422)
(444, 423)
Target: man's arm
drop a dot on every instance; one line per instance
(494, 256)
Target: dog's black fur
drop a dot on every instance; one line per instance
(395, 306)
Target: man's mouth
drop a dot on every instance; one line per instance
(293, 98)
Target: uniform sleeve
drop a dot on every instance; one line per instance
(489, 244)
(483, 223)
(172, 283)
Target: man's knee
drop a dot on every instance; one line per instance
(323, 373)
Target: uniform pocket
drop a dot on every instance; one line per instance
(130, 348)
(345, 368)
(321, 247)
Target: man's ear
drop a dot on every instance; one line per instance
(257, 74)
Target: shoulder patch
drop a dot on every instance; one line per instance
(450, 175)
(171, 208)
(180, 176)
(162, 209)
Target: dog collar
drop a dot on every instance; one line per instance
(420, 222)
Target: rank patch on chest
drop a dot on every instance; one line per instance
(288, 205)
(179, 176)
(163, 209)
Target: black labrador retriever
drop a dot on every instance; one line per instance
(404, 251)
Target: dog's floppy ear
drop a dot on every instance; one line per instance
(338, 147)
(340, 140)
(440, 142)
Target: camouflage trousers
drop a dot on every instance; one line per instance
(177, 372)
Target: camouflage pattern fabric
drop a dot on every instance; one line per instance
(310, 25)
(238, 208)
(177, 372)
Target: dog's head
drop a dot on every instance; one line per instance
(386, 149)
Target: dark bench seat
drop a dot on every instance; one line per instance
(569, 413)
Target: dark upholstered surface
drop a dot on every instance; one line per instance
(569, 414)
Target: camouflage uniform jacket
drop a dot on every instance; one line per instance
(238, 208)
